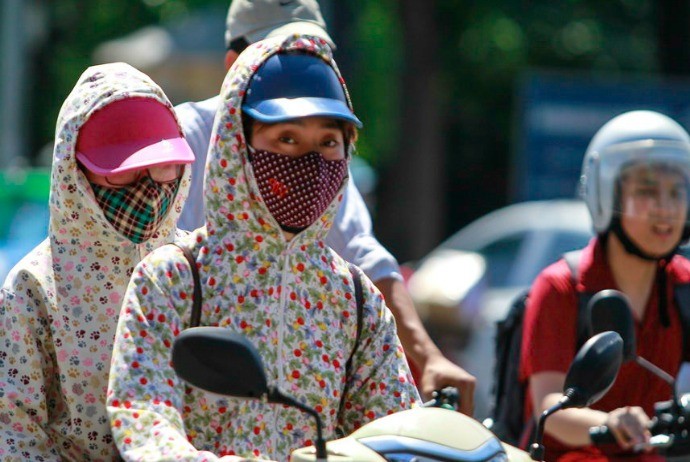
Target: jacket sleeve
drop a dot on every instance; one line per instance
(353, 239)
(27, 373)
(380, 382)
(145, 397)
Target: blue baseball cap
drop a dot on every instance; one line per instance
(295, 85)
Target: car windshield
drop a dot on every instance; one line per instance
(500, 257)
(519, 240)
(517, 259)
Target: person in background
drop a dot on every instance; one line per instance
(119, 177)
(635, 179)
(276, 171)
(351, 235)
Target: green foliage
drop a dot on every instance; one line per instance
(486, 46)
(76, 27)
(375, 85)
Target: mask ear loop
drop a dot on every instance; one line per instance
(250, 152)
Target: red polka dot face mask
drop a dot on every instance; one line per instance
(297, 190)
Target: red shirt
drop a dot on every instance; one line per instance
(549, 341)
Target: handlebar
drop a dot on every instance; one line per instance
(447, 398)
(670, 428)
(601, 435)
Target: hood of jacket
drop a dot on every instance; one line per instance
(232, 198)
(74, 210)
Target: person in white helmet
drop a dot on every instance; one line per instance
(351, 235)
(634, 180)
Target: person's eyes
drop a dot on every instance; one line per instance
(646, 192)
(331, 143)
(286, 139)
(679, 193)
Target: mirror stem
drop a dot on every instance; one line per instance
(276, 396)
(656, 370)
(536, 449)
(662, 374)
(320, 443)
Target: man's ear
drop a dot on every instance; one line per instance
(230, 58)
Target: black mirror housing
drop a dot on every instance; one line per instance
(220, 361)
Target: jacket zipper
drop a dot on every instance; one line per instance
(281, 329)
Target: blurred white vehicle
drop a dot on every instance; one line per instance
(469, 281)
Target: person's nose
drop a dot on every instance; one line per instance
(315, 146)
(668, 205)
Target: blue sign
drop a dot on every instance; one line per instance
(559, 114)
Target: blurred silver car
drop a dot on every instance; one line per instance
(469, 281)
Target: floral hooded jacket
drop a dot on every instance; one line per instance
(294, 300)
(59, 306)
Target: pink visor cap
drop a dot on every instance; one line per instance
(131, 134)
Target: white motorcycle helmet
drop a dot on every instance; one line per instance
(626, 140)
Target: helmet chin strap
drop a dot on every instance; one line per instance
(661, 276)
(633, 248)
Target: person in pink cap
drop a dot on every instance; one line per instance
(119, 177)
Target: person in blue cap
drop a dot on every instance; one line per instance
(276, 171)
(249, 21)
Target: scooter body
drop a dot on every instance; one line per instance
(423, 434)
(427, 433)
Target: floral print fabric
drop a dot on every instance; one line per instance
(293, 300)
(59, 306)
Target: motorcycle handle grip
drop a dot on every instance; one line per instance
(601, 435)
(448, 398)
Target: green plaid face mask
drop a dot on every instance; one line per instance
(138, 209)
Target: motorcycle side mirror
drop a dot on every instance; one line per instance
(610, 310)
(590, 376)
(220, 361)
(211, 358)
(593, 370)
